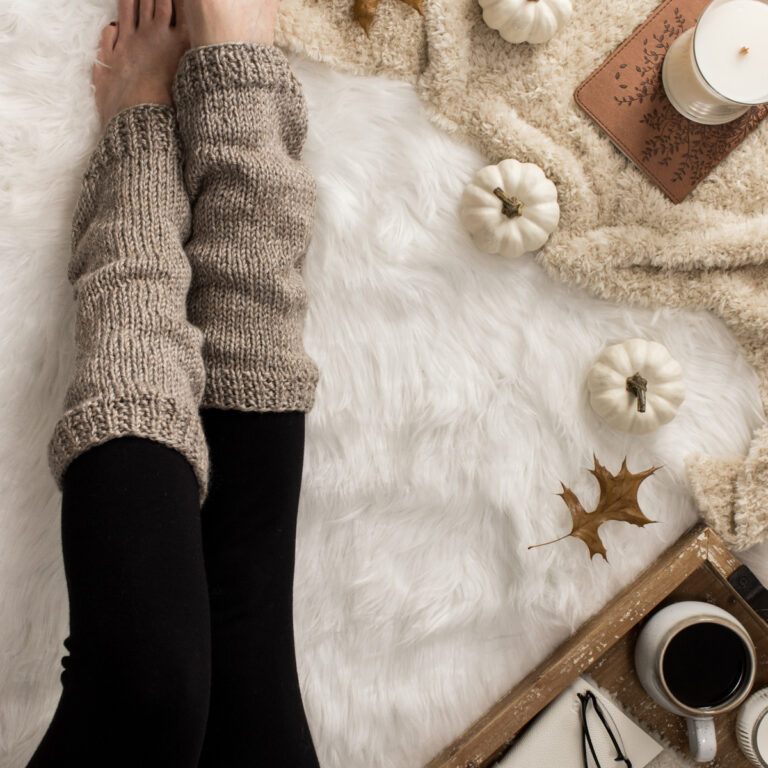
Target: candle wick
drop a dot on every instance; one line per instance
(744, 50)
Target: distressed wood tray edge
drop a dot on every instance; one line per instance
(489, 737)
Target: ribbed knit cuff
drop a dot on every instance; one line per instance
(231, 66)
(135, 132)
(217, 84)
(152, 416)
(261, 390)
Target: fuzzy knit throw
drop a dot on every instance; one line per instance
(619, 236)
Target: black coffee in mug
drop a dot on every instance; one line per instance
(705, 664)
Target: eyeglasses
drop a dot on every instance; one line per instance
(600, 722)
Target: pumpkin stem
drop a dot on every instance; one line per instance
(510, 206)
(638, 386)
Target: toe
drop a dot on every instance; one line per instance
(105, 54)
(127, 15)
(107, 41)
(178, 13)
(163, 11)
(146, 11)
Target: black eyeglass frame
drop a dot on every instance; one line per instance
(586, 739)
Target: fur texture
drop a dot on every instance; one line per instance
(618, 235)
(451, 403)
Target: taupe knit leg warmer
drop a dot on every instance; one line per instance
(243, 121)
(139, 368)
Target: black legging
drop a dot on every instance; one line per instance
(181, 648)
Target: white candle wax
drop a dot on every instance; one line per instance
(731, 49)
(715, 71)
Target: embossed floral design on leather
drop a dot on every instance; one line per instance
(694, 149)
(654, 49)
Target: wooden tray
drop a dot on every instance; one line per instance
(696, 567)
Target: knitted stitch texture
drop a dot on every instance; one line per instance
(138, 368)
(243, 121)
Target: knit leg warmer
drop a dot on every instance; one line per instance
(138, 368)
(243, 121)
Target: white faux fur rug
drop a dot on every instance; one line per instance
(451, 404)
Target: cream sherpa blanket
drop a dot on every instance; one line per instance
(619, 236)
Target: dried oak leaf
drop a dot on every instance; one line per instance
(365, 10)
(618, 501)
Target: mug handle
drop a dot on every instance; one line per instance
(702, 739)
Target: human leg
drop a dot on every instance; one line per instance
(242, 118)
(138, 367)
(129, 451)
(249, 535)
(243, 121)
(136, 682)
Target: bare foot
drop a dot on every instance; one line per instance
(231, 21)
(138, 56)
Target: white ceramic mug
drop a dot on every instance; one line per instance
(651, 646)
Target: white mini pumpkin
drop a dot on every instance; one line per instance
(636, 386)
(510, 208)
(526, 21)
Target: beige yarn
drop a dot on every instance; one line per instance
(161, 332)
(138, 368)
(243, 121)
(619, 236)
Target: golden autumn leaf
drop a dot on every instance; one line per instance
(618, 501)
(365, 10)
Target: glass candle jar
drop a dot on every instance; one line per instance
(718, 69)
